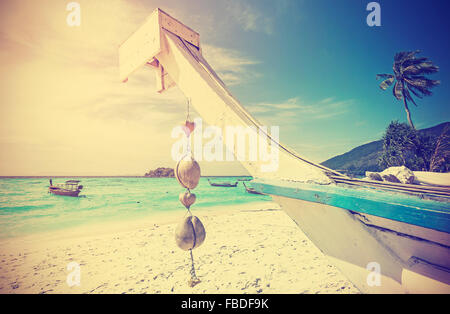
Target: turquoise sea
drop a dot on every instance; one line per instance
(26, 207)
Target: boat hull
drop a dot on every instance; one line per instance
(63, 192)
(378, 255)
(254, 192)
(224, 185)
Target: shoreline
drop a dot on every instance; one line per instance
(95, 228)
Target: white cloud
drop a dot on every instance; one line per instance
(326, 108)
(250, 18)
(232, 67)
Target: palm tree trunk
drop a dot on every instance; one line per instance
(408, 113)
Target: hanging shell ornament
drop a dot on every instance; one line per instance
(188, 173)
(187, 199)
(190, 233)
(188, 127)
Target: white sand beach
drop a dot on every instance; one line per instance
(254, 248)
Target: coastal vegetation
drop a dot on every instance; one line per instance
(404, 146)
(160, 172)
(409, 79)
(366, 157)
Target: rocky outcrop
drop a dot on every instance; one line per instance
(403, 174)
(390, 178)
(393, 174)
(375, 176)
(161, 173)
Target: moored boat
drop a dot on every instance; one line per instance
(69, 188)
(251, 190)
(223, 184)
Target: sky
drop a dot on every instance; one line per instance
(307, 66)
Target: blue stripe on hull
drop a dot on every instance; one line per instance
(395, 206)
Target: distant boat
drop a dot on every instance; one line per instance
(246, 179)
(223, 184)
(69, 188)
(251, 190)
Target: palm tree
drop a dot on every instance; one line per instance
(409, 77)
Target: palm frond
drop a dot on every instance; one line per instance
(408, 96)
(421, 68)
(413, 90)
(421, 81)
(413, 61)
(398, 91)
(403, 56)
(384, 76)
(418, 89)
(386, 83)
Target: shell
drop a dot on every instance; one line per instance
(190, 233)
(187, 173)
(188, 127)
(187, 199)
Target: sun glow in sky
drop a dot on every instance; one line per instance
(307, 66)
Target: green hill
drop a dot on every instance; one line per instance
(365, 157)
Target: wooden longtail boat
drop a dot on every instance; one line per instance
(69, 188)
(251, 190)
(385, 237)
(223, 184)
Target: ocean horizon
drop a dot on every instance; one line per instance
(111, 176)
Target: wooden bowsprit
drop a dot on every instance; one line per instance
(143, 47)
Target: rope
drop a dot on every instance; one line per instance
(194, 279)
(188, 117)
